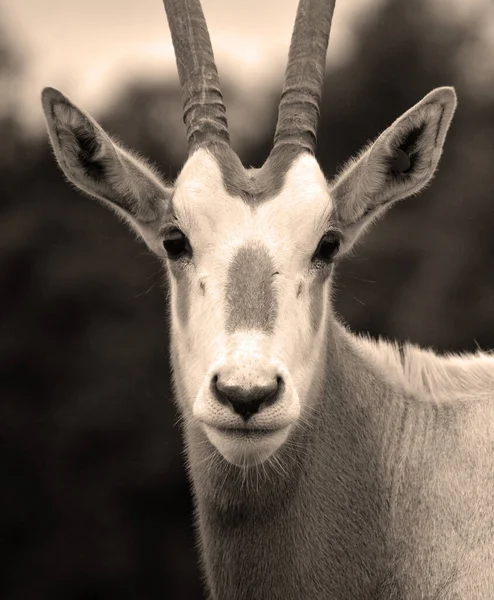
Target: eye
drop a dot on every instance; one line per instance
(327, 247)
(176, 244)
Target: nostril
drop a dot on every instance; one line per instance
(246, 400)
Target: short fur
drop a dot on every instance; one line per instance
(250, 296)
(378, 481)
(385, 493)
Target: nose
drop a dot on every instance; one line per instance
(246, 399)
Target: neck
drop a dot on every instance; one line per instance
(312, 505)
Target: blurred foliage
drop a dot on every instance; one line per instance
(430, 259)
(12, 65)
(95, 502)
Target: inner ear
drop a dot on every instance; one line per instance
(406, 152)
(87, 149)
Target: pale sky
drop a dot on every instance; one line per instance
(90, 48)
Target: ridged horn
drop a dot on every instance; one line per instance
(300, 103)
(203, 106)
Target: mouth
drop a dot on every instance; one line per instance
(246, 446)
(247, 432)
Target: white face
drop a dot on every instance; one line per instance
(249, 280)
(248, 304)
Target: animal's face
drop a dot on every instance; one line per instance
(249, 283)
(249, 255)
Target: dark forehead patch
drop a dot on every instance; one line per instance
(254, 186)
(250, 295)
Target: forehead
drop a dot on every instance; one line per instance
(221, 197)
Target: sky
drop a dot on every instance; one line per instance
(90, 49)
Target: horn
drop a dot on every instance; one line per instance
(301, 97)
(204, 110)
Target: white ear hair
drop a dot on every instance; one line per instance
(398, 164)
(100, 167)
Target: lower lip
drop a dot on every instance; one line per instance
(248, 433)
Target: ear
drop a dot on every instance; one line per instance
(398, 164)
(103, 169)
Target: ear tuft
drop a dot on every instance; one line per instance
(88, 148)
(405, 154)
(400, 163)
(102, 168)
(77, 140)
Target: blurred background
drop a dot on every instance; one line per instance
(94, 500)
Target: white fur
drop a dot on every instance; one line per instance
(438, 477)
(203, 345)
(289, 226)
(429, 376)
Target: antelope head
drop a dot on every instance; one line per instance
(250, 252)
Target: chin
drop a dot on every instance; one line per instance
(246, 447)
